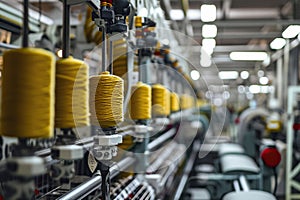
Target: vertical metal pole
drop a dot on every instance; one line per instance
(25, 23)
(103, 48)
(66, 29)
(140, 65)
(105, 185)
(279, 77)
(286, 58)
(111, 69)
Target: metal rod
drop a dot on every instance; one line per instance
(111, 69)
(236, 186)
(83, 189)
(66, 29)
(106, 181)
(25, 41)
(94, 183)
(8, 46)
(103, 48)
(244, 184)
(152, 145)
(187, 170)
(121, 166)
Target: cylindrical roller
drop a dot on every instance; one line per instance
(71, 94)
(28, 93)
(106, 100)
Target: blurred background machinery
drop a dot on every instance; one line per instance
(125, 99)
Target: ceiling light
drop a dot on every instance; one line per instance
(194, 14)
(226, 95)
(248, 56)
(195, 75)
(263, 80)
(176, 14)
(244, 74)
(209, 31)
(241, 89)
(210, 43)
(207, 50)
(143, 12)
(277, 43)
(228, 75)
(208, 12)
(254, 89)
(59, 53)
(291, 31)
(260, 73)
(165, 42)
(205, 62)
(264, 89)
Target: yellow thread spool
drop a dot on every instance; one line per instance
(140, 101)
(120, 58)
(71, 94)
(28, 93)
(184, 101)
(91, 30)
(138, 22)
(174, 102)
(160, 101)
(106, 100)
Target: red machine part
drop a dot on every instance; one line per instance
(271, 157)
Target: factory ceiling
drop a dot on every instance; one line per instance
(243, 25)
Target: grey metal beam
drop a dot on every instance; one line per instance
(248, 23)
(226, 8)
(228, 48)
(244, 35)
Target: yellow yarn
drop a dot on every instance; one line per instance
(71, 94)
(106, 100)
(28, 93)
(174, 102)
(140, 101)
(186, 101)
(120, 58)
(91, 30)
(201, 102)
(160, 101)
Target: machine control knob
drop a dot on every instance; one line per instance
(271, 157)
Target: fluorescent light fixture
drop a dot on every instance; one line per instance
(244, 74)
(228, 75)
(208, 12)
(208, 50)
(291, 31)
(209, 43)
(194, 14)
(248, 56)
(205, 61)
(254, 89)
(209, 31)
(195, 75)
(263, 80)
(176, 14)
(278, 43)
(143, 12)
